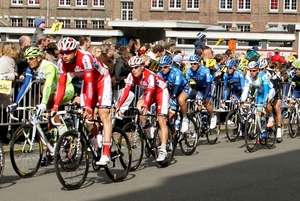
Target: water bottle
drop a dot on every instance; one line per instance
(204, 119)
(177, 123)
(152, 130)
(263, 123)
(146, 129)
(100, 139)
(62, 129)
(263, 134)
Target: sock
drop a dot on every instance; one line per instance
(163, 146)
(106, 148)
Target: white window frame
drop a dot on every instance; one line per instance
(226, 26)
(81, 24)
(242, 27)
(159, 3)
(30, 21)
(81, 3)
(274, 10)
(65, 3)
(244, 5)
(99, 24)
(290, 7)
(99, 2)
(17, 2)
(65, 23)
(33, 2)
(226, 3)
(127, 10)
(17, 21)
(176, 2)
(193, 4)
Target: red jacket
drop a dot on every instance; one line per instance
(277, 58)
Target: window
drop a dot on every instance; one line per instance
(81, 2)
(16, 22)
(64, 2)
(80, 23)
(17, 2)
(98, 3)
(243, 27)
(66, 23)
(274, 5)
(272, 25)
(97, 24)
(244, 5)
(225, 4)
(127, 10)
(290, 5)
(228, 27)
(174, 3)
(157, 4)
(33, 2)
(30, 22)
(192, 4)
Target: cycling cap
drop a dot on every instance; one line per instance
(262, 63)
(296, 64)
(165, 61)
(66, 44)
(230, 63)
(201, 35)
(253, 64)
(195, 58)
(135, 61)
(33, 52)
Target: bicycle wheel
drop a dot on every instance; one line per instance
(233, 125)
(25, 159)
(251, 134)
(170, 146)
(71, 160)
(212, 135)
(2, 160)
(271, 137)
(188, 141)
(136, 140)
(118, 169)
(293, 123)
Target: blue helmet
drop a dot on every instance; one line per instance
(165, 61)
(230, 63)
(195, 58)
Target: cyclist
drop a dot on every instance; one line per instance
(155, 89)
(96, 88)
(293, 86)
(203, 79)
(179, 88)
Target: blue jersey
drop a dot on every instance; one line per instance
(234, 82)
(202, 77)
(175, 81)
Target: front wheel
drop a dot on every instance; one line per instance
(251, 134)
(188, 141)
(212, 135)
(271, 137)
(233, 125)
(25, 158)
(293, 123)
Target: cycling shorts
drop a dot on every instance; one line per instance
(162, 101)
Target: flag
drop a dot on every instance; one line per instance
(56, 26)
(221, 40)
(5, 86)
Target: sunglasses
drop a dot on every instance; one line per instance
(30, 58)
(134, 67)
(229, 68)
(66, 52)
(297, 68)
(164, 67)
(251, 71)
(194, 63)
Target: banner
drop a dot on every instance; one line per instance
(56, 26)
(5, 86)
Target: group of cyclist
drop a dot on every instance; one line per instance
(169, 88)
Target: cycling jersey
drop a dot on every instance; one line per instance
(91, 71)
(296, 81)
(234, 82)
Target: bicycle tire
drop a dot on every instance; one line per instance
(70, 162)
(293, 124)
(212, 135)
(251, 134)
(25, 161)
(2, 160)
(233, 125)
(188, 143)
(118, 169)
(136, 140)
(271, 137)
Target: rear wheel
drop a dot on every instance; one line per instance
(251, 134)
(25, 159)
(188, 140)
(271, 137)
(293, 123)
(212, 135)
(233, 125)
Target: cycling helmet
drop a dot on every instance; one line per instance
(262, 63)
(66, 44)
(253, 64)
(195, 58)
(230, 63)
(33, 52)
(165, 61)
(135, 61)
(201, 35)
(296, 64)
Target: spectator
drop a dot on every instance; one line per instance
(177, 60)
(42, 41)
(169, 48)
(39, 23)
(52, 53)
(134, 46)
(147, 60)
(156, 53)
(84, 42)
(252, 54)
(145, 49)
(277, 58)
(24, 43)
(107, 57)
(10, 54)
(200, 42)
(96, 51)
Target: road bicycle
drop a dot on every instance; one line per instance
(294, 118)
(2, 159)
(71, 158)
(256, 132)
(141, 141)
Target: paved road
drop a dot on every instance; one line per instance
(224, 171)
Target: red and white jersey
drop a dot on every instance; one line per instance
(87, 68)
(149, 81)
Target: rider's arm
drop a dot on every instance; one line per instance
(25, 86)
(88, 88)
(265, 82)
(50, 73)
(61, 86)
(208, 82)
(226, 89)
(179, 81)
(149, 91)
(126, 90)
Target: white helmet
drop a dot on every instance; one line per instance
(135, 61)
(253, 64)
(262, 63)
(66, 44)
